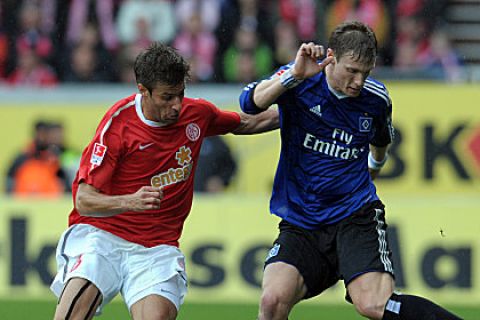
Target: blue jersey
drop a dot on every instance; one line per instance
(322, 174)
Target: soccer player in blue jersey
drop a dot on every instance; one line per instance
(335, 131)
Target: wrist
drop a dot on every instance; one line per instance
(375, 164)
(288, 79)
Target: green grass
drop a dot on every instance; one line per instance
(40, 310)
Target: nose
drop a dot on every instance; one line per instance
(177, 104)
(359, 80)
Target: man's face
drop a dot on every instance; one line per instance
(164, 102)
(348, 74)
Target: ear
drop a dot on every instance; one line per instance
(142, 89)
(331, 53)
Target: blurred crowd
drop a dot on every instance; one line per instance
(46, 42)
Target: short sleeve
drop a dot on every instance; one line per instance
(221, 121)
(100, 158)
(384, 132)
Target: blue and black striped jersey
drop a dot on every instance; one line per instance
(322, 174)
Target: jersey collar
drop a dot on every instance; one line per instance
(336, 93)
(138, 108)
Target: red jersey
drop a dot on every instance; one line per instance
(129, 151)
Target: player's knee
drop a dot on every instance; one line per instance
(167, 312)
(161, 314)
(273, 302)
(370, 308)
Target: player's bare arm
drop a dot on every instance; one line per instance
(306, 65)
(90, 202)
(262, 122)
(377, 158)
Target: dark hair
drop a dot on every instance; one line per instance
(160, 64)
(356, 39)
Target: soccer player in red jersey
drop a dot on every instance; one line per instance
(133, 192)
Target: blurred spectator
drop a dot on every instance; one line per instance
(30, 32)
(208, 10)
(31, 70)
(83, 65)
(412, 45)
(247, 58)
(444, 60)
(145, 21)
(430, 12)
(198, 46)
(374, 13)
(69, 158)
(125, 62)
(88, 60)
(422, 47)
(235, 14)
(33, 50)
(302, 15)
(431, 57)
(37, 171)
(41, 14)
(286, 43)
(216, 166)
(80, 16)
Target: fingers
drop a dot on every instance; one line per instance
(155, 192)
(312, 50)
(149, 198)
(325, 62)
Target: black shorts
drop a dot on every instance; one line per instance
(345, 250)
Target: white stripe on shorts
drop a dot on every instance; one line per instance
(387, 264)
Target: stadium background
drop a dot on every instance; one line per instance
(430, 187)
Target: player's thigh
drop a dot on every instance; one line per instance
(79, 300)
(157, 271)
(372, 288)
(85, 252)
(309, 254)
(153, 307)
(283, 282)
(362, 243)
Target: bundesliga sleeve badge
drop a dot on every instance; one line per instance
(98, 154)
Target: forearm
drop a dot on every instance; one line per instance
(262, 122)
(90, 202)
(267, 91)
(378, 153)
(377, 158)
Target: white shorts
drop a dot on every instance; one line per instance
(115, 265)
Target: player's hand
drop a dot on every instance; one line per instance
(306, 61)
(146, 198)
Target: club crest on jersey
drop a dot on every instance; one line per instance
(365, 124)
(192, 131)
(273, 251)
(98, 154)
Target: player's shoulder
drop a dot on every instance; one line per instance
(376, 91)
(119, 112)
(122, 105)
